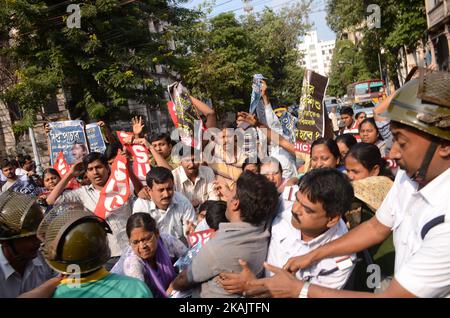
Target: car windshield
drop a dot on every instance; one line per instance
(363, 105)
(330, 102)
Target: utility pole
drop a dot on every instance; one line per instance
(379, 64)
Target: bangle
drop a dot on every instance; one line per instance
(304, 291)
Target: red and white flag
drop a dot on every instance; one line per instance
(63, 168)
(61, 165)
(116, 191)
(303, 147)
(140, 154)
(201, 236)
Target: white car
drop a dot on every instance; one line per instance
(366, 107)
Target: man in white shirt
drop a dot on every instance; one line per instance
(351, 125)
(9, 172)
(417, 208)
(194, 181)
(315, 219)
(98, 171)
(22, 268)
(171, 210)
(324, 195)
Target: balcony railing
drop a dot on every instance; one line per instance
(438, 13)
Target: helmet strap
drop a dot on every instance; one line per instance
(420, 174)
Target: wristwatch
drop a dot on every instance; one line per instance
(304, 291)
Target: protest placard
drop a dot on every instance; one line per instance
(95, 138)
(311, 116)
(185, 116)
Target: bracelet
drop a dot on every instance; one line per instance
(304, 291)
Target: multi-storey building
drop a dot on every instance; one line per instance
(317, 55)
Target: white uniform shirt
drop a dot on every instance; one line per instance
(201, 190)
(286, 242)
(12, 284)
(117, 219)
(422, 266)
(173, 220)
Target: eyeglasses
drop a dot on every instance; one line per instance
(147, 240)
(270, 173)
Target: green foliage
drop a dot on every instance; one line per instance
(348, 66)
(35, 88)
(403, 23)
(103, 64)
(224, 52)
(344, 14)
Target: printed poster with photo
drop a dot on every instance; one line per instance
(95, 138)
(69, 138)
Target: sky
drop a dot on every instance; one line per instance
(317, 18)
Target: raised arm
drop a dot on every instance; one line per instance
(138, 126)
(108, 134)
(272, 136)
(361, 237)
(285, 285)
(210, 114)
(75, 171)
(137, 185)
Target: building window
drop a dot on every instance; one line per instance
(312, 47)
(323, 52)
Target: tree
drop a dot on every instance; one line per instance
(224, 52)
(276, 36)
(220, 70)
(348, 66)
(110, 59)
(403, 23)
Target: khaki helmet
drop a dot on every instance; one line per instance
(20, 215)
(424, 103)
(72, 235)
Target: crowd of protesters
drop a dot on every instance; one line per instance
(279, 224)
